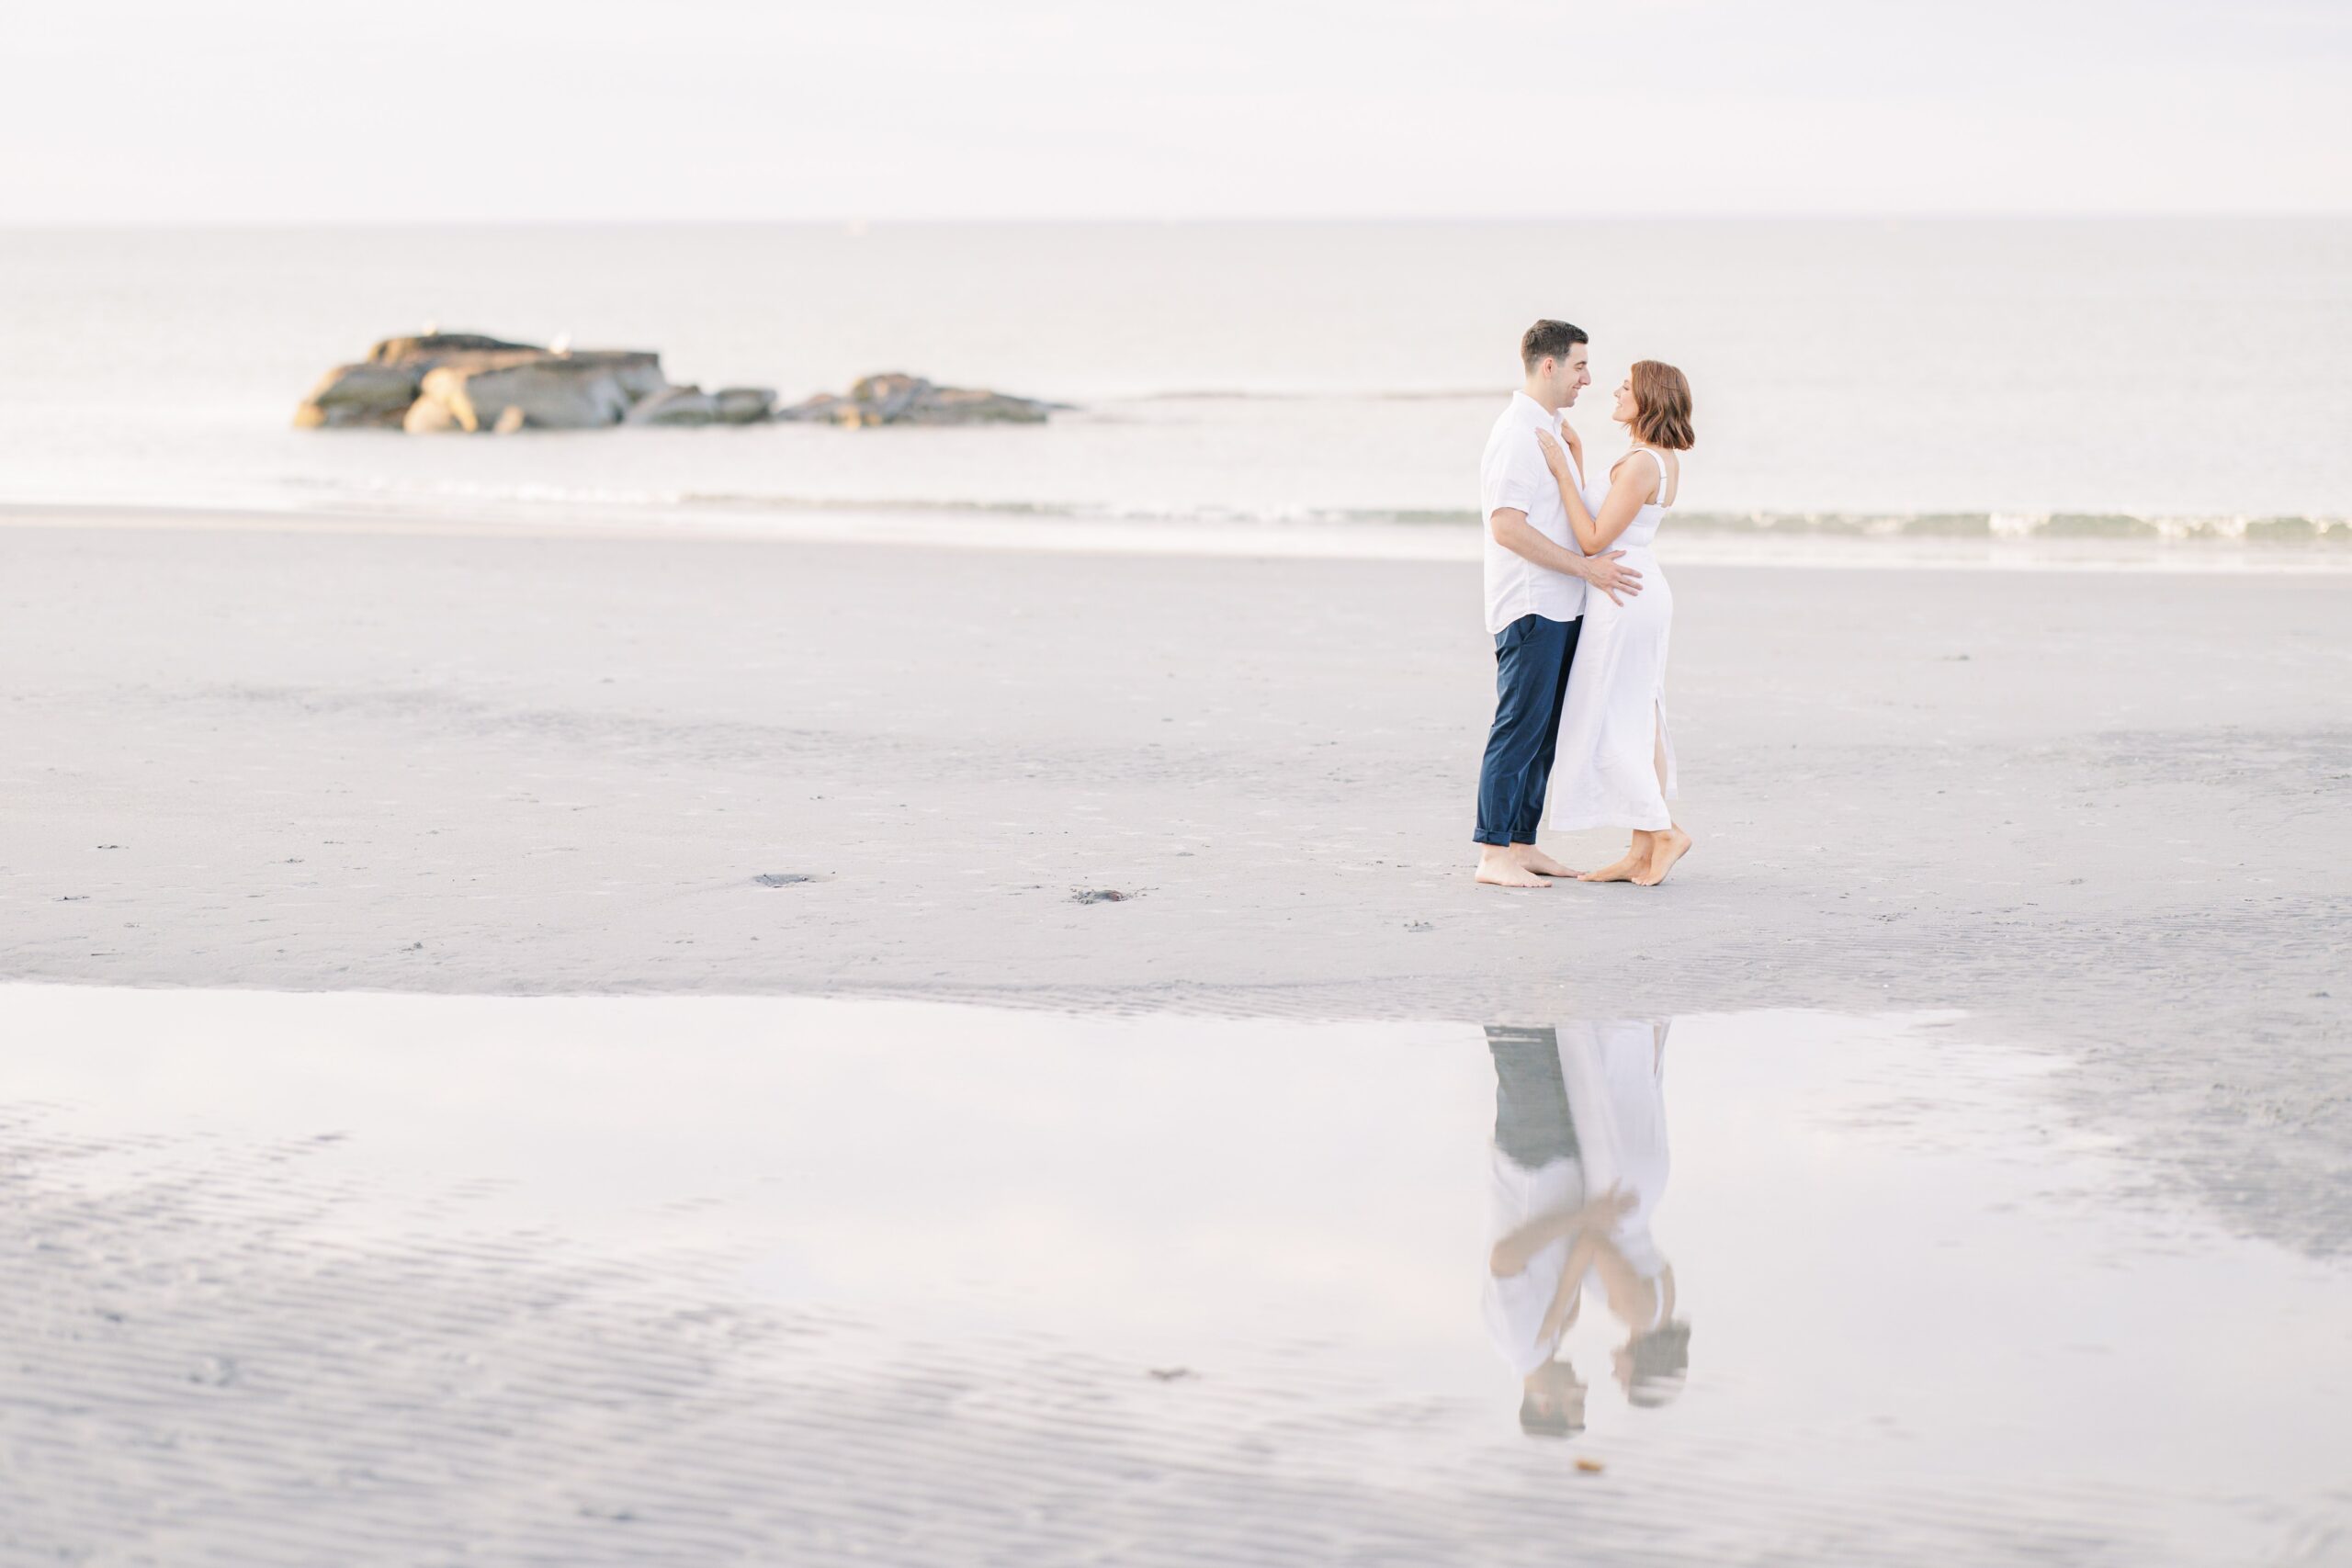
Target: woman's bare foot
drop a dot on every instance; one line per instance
(1536, 861)
(1665, 849)
(1637, 857)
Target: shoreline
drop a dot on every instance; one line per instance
(988, 528)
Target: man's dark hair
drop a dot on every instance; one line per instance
(1548, 340)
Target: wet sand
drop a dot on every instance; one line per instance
(371, 1278)
(2102, 813)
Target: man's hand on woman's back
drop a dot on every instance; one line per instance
(1604, 573)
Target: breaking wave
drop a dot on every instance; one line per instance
(1843, 526)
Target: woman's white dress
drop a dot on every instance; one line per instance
(1612, 730)
(1615, 1072)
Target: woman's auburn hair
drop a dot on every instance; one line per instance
(1662, 406)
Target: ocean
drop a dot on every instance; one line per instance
(2145, 388)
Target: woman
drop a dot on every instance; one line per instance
(1614, 1075)
(1614, 767)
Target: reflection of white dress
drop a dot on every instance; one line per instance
(1603, 775)
(1615, 1077)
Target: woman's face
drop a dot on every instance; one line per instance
(1626, 407)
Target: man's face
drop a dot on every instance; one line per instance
(1555, 1398)
(1571, 375)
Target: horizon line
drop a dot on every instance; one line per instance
(856, 223)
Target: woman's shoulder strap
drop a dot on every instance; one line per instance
(1657, 458)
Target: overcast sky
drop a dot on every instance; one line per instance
(164, 111)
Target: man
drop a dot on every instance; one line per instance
(1536, 580)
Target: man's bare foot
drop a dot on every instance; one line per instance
(1498, 867)
(1665, 849)
(1533, 859)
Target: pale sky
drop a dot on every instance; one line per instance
(318, 111)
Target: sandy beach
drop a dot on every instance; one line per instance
(2102, 812)
(618, 1044)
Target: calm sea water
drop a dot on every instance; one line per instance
(1946, 379)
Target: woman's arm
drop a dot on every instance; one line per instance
(1627, 490)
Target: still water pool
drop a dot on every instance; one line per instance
(372, 1278)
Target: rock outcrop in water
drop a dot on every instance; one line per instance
(534, 390)
(692, 405)
(894, 398)
(464, 382)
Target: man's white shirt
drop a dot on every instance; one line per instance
(1512, 474)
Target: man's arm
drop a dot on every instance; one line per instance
(1512, 1253)
(1514, 532)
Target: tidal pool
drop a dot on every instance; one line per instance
(371, 1278)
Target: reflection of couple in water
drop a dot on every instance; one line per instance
(1579, 1165)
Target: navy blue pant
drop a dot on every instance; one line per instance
(1532, 659)
(1533, 1127)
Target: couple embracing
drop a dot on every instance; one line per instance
(1579, 612)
